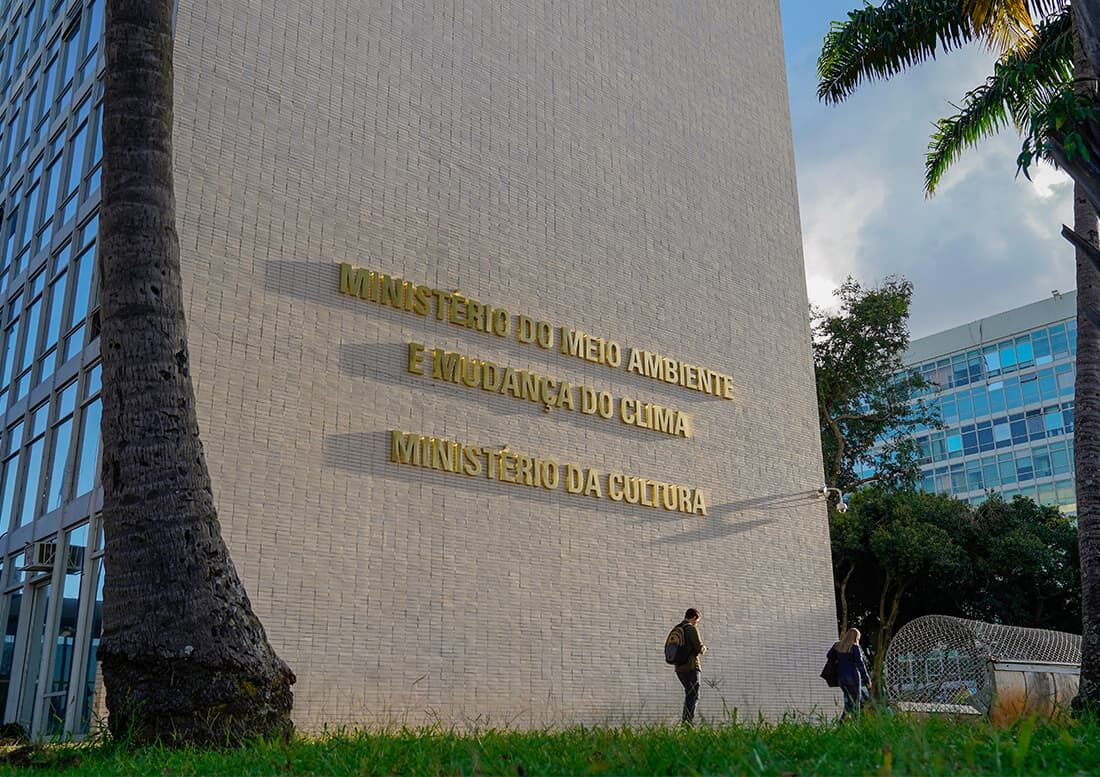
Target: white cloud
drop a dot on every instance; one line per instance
(1046, 182)
(833, 223)
(987, 241)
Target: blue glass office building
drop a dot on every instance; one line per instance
(50, 551)
(1003, 386)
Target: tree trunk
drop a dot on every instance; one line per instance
(1086, 20)
(1086, 430)
(885, 632)
(185, 660)
(1086, 449)
(843, 587)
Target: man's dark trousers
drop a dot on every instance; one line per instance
(690, 681)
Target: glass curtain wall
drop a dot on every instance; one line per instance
(50, 554)
(1007, 411)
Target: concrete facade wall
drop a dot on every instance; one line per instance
(626, 170)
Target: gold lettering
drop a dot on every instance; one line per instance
(458, 303)
(572, 342)
(613, 354)
(422, 300)
(631, 494)
(592, 485)
(573, 480)
(566, 398)
(699, 504)
(445, 455)
(402, 447)
(669, 496)
(588, 400)
(475, 315)
(525, 470)
(389, 292)
(671, 370)
(353, 281)
(471, 373)
(446, 365)
(592, 349)
(440, 297)
(549, 474)
(727, 387)
(544, 335)
(416, 355)
(615, 487)
(490, 376)
(529, 386)
(471, 461)
(510, 385)
(507, 472)
(525, 329)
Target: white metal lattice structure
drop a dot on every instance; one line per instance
(944, 662)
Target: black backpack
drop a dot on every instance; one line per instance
(676, 648)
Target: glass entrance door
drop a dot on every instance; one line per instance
(50, 638)
(38, 639)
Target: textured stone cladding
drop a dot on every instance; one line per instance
(621, 168)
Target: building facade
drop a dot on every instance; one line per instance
(489, 304)
(1003, 386)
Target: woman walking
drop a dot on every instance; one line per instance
(851, 670)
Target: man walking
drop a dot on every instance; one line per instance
(690, 671)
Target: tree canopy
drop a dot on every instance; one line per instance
(867, 404)
(1045, 81)
(898, 555)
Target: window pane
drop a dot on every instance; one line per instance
(1030, 389)
(89, 449)
(1041, 344)
(8, 654)
(61, 440)
(93, 639)
(34, 477)
(1023, 351)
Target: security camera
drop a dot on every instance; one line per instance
(826, 490)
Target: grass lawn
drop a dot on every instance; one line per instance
(877, 745)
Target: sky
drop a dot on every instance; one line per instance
(989, 240)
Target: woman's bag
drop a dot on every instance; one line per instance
(829, 673)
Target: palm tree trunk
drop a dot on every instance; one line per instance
(184, 657)
(1086, 449)
(1086, 434)
(1086, 430)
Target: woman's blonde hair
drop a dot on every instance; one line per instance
(847, 640)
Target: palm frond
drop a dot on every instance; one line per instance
(1040, 9)
(1023, 81)
(877, 42)
(1005, 25)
